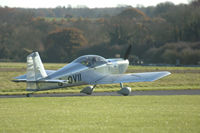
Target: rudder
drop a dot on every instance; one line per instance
(35, 70)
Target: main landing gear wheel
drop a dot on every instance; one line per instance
(88, 90)
(124, 90)
(29, 94)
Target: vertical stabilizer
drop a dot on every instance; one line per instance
(35, 68)
(36, 74)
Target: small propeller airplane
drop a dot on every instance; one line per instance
(89, 70)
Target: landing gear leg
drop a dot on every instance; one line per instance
(121, 85)
(93, 88)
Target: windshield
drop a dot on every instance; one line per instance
(91, 60)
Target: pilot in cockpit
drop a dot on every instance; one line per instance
(91, 61)
(94, 60)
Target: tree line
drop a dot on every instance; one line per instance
(159, 34)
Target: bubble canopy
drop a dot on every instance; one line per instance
(90, 60)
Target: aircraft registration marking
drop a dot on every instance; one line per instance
(74, 78)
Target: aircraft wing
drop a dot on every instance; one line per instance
(125, 78)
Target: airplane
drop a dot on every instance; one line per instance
(89, 70)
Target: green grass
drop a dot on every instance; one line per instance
(142, 114)
(181, 78)
(23, 65)
(162, 68)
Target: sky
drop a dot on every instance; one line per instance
(87, 3)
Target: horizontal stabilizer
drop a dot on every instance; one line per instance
(19, 80)
(50, 81)
(41, 85)
(22, 78)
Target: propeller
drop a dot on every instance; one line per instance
(128, 51)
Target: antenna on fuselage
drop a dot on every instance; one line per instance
(128, 51)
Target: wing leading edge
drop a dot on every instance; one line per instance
(133, 77)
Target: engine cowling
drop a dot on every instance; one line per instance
(125, 91)
(87, 90)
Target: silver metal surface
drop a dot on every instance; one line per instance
(88, 69)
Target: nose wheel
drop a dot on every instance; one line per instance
(124, 90)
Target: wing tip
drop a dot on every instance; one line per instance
(167, 73)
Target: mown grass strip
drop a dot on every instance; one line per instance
(181, 78)
(101, 114)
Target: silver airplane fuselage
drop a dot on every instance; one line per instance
(86, 70)
(75, 72)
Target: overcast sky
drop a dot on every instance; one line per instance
(88, 3)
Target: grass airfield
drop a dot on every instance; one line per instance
(181, 78)
(146, 114)
(162, 114)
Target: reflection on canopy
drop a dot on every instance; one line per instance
(90, 60)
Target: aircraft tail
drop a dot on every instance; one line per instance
(35, 70)
(35, 77)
